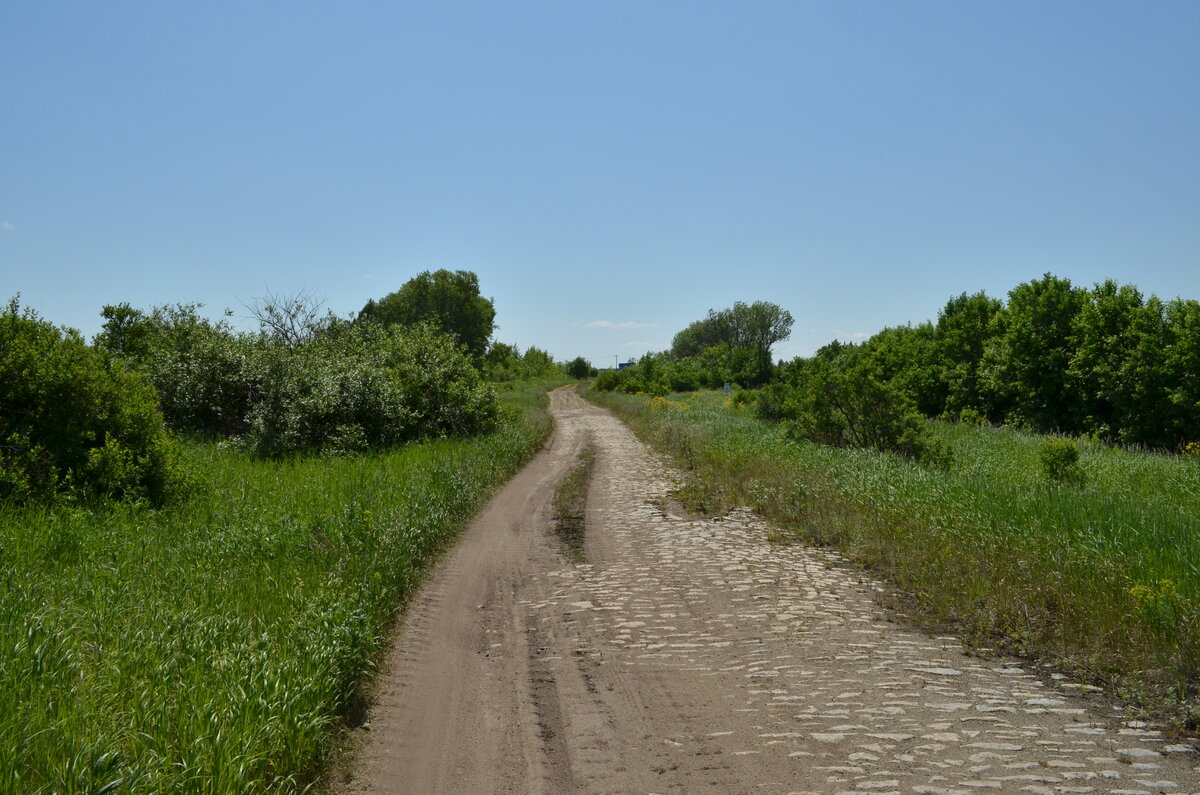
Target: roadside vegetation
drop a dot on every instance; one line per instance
(1025, 471)
(205, 533)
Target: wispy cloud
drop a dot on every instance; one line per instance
(7, 227)
(626, 324)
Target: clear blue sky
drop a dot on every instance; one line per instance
(611, 170)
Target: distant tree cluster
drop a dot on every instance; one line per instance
(1105, 361)
(505, 362)
(728, 346)
(580, 367)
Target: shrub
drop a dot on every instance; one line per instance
(74, 422)
(842, 403)
(341, 388)
(207, 375)
(366, 387)
(1059, 459)
(579, 367)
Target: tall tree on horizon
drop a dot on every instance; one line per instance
(450, 300)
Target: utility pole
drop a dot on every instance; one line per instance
(615, 355)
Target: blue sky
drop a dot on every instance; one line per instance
(610, 170)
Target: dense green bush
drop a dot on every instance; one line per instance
(365, 386)
(1103, 362)
(345, 387)
(75, 422)
(837, 399)
(580, 367)
(1059, 460)
(505, 362)
(208, 376)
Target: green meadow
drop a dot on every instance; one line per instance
(1097, 575)
(219, 645)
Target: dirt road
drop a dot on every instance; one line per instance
(690, 655)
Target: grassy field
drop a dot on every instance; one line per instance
(216, 646)
(1099, 576)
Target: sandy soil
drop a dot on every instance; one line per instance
(691, 655)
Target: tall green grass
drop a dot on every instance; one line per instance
(1098, 575)
(213, 647)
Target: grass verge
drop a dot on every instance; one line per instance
(1097, 576)
(215, 646)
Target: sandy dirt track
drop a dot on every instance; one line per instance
(691, 655)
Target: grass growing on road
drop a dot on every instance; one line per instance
(570, 504)
(1097, 572)
(214, 646)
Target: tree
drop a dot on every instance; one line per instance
(747, 330)
(907, 357)
(963, 328)
(1037, 344)
(449, 300)
(1104, 341)
(579, 367)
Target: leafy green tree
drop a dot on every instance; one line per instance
(74, 421)
(579, 367)
(963, 328)
(448, 299)
(1182, 366)
(907, 356)
(743, 334)
(1030, 361)
(1143, 410)
(1105, 337)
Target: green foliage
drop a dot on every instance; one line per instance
(580, 367)
(963, 328)
(218, 647)
(207, 375)
(1029, 359)
(838, 399)
(655, 374)
(1059, 460)
(735, 344)
(367, 387)
(449, 300)
(338, 388)
(73, 422)
(1103, 362)
(505, 363)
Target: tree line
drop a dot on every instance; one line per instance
(80, 419)
(1105, 361)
